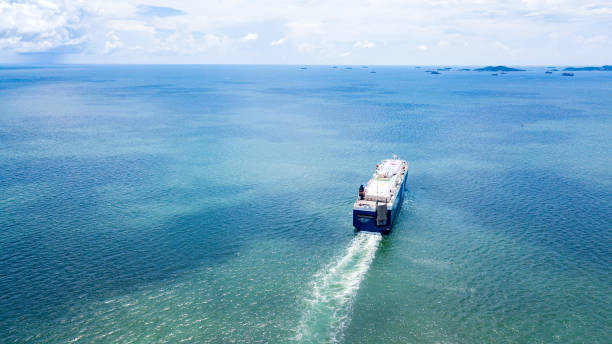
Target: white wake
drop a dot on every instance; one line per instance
(327, 309)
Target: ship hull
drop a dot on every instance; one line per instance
(365, 220)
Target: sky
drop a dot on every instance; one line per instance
(375, 32)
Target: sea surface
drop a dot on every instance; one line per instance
(213, 204)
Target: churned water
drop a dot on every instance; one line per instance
(327, 311)
(212, 204)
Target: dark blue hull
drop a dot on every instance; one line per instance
(365, 220)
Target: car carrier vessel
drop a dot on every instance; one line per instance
(381, 199)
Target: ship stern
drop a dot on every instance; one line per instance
(371, 220)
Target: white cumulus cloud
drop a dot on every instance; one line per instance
(249, 37)
(112, 43)
(279, 41)
(39, 26)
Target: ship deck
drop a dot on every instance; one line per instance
(384, 184)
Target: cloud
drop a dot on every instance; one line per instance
(249, 37)
(112, 43)
(279, 42)
(211, 41)
(41, 26)
(158, 11)
(364, 45)
(345, 54)
(540, 31)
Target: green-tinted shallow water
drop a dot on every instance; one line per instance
(212, 204)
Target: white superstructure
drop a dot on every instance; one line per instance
(386, 181)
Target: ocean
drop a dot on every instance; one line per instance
(213, 204)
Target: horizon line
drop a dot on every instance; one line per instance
(297, 64)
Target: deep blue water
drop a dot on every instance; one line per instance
(213, 204)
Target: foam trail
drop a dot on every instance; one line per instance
(327, 310)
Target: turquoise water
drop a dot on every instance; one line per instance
(212, 204)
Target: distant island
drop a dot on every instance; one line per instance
(602, 68)
(498, 69)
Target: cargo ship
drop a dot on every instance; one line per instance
(380, 200)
